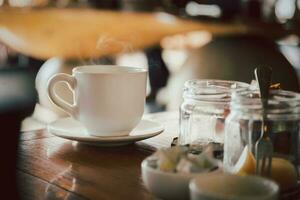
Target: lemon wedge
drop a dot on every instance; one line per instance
(284, 173)
(246, 164)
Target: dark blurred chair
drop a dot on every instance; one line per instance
(236, 57)
(158, 72)
(17, 100)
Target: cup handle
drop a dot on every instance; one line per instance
(71, 82)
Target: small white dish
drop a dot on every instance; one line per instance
(168, 185)
(232, 187)
(72, 129)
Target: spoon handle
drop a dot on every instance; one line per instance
(263, 76)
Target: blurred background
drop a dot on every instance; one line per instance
(176, 40)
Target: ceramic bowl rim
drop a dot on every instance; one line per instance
(271, 189)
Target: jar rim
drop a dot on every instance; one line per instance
(279, 100)
(212, 89)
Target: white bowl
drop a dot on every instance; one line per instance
(232, 187)
(167, 185)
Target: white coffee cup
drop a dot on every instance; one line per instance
(108, 100)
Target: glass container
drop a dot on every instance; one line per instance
(204, 109)
(243, 129)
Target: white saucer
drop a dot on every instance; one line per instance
(72, 129)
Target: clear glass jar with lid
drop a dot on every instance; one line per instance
(243, 129)
(204, 109)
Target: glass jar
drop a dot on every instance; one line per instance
(243, 129)
(204, 110)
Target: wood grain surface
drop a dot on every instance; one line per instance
(55, 168)
(32, 187)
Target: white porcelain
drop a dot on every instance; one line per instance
(51, 67)
(72, 129)
(108, 100)
(232, 187)
(167, 185)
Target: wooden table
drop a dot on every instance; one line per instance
(53, 168)
(50, 167)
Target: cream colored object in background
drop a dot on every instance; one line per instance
(88, 33)
(27, 3)
(108, 100)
